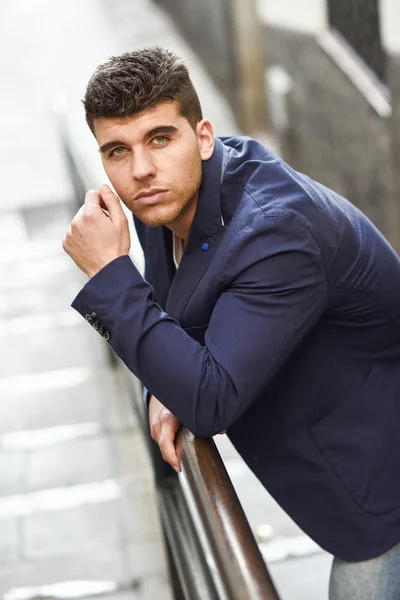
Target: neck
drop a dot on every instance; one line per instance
(181, 226)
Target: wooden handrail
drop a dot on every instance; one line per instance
(240, 564)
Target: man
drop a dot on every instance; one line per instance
(270, 308)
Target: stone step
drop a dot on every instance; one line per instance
(49, 350)
(47, 272)
(69, 396)
(32, 300)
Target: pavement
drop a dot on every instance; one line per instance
(77, 505)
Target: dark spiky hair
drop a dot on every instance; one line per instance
(127, 84)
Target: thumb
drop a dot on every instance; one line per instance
(111, 202)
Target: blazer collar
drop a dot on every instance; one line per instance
(205, 234)
(208, 214)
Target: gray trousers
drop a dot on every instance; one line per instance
(375, 579)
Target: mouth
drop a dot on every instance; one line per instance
(152, 196)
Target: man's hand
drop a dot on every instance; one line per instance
(94, 237)
(163, 428)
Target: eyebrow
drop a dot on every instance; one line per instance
(156, 131)
(161, 129)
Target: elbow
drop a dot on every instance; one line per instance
(204, 431)
(215, 408)
(207, 426)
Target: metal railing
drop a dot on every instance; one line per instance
(212, 552)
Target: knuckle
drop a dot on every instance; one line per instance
(154, 432)
(165, 446)
(87, 215)
(167, 451)
(74, 226)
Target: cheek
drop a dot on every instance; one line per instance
(184, 166)
(119, 175)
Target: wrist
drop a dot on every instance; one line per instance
(94, 269)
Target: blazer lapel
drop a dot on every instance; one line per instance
(205, 236)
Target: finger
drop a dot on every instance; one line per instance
(155, 431)
(222, 432)
(92, 198)
(168, 452)
(111, 202)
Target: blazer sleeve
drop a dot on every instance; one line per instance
(276, 293)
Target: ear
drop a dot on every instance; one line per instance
(205, 138)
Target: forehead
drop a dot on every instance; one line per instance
(136, 126)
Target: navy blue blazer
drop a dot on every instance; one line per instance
(281, 325)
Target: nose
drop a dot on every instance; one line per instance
(142, 167)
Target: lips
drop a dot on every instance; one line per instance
(151, 196)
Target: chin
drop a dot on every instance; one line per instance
(156, 217)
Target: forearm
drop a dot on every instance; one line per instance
(173, 366)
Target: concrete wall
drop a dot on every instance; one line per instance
(333, 134)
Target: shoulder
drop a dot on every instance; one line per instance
(268, 179)
(263, 183)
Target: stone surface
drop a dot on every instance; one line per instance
(333, 134)
(104, 563)
(20, 301)
(126, 596)
(154, 587)
(302, 578)
(61, 532)
(77, 403)
(12, 472)
(51, 350)
(145, 559)
(10, 544)
(144, 522)
(127, 447)
(78, 461)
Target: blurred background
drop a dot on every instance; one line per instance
(316, 80)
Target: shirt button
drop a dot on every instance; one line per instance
(205, 247)
(89, 318)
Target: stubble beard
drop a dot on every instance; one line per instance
(165, 215)
(179, 205)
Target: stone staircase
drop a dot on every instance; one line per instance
(77, 505)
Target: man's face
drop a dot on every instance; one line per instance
(153, 160)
